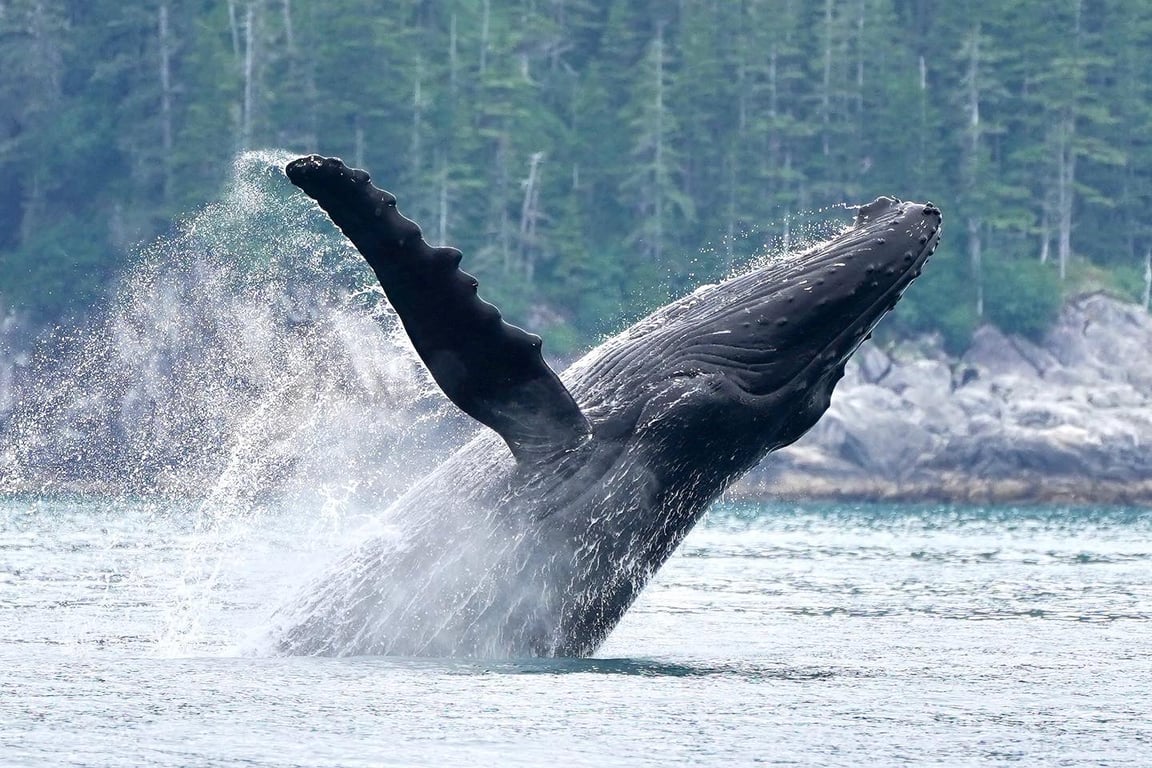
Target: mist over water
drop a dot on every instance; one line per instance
(246, 365)
(249, 354)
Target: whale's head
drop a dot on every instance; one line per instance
(753, 361)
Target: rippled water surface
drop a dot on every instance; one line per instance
(779, 634)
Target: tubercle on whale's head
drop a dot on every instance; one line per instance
(826, 305)
(766, 349)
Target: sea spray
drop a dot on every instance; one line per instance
(246, 365)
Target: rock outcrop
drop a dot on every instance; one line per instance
(1066, 419)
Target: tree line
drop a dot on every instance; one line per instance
(595, 157)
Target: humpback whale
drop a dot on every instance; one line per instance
(535, 537)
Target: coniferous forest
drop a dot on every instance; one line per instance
(595, 157)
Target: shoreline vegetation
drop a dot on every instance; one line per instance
(945, 488)
(594, 160)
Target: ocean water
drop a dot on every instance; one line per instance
(780, 634)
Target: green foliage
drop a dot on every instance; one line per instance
(1022, 297)
(58, 273)
(581, 152)
(1126, 281)
(562, 340)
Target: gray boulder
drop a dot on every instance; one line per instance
(1068, 417)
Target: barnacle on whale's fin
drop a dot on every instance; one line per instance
(491, 370)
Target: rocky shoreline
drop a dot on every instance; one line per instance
(944, 488)
(1064, 420)
(1067, 419)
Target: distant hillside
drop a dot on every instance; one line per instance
(594, 159)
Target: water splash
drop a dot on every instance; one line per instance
(247, 362)
(778, 241)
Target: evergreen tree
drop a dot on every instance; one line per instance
(583, 152)
(655, 186)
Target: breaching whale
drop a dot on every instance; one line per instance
(535, 537)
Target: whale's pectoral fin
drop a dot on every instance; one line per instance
(491, 370)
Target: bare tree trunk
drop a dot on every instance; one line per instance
(289, 34)
(530, 216)
(249, 76)
(33, 207)
(45, 74)
(1045, 235)
(234, 28)
(503, 227)
(484, 31)
(973, 162)
(1066, 177)
(358, 146)
(1148, 280)
(826, 96)
(786, 239)
(441, 152)
(1066, 161)
(442, 178)
(166, 99)
(975, 256)
(301, 71)
(774, 142)
(860, 64)
(417, 142)
(730, 224)
(528, 205)
(741, 97)
(453, 63)
(730, 158)
(658, 203)
(923, 115)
